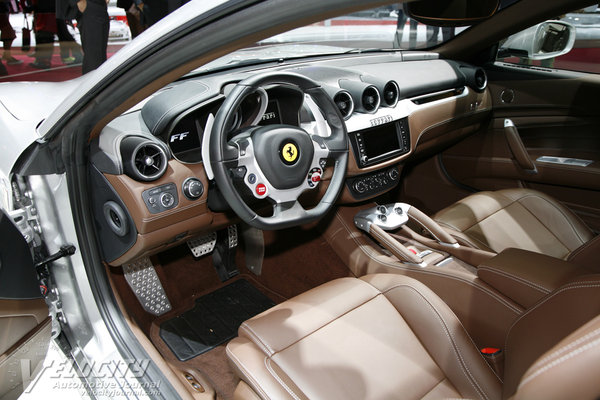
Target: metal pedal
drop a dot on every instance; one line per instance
(143, 280)
(224, 254)
(202, 245)
(232, 234)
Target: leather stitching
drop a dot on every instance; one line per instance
(569, 346)
(519, 279)
(369, 252)
(448, 225)
(435, 386)
(278, 379)
(560, 211)
(560, 360)
(262, 343)
(573, 285)
(544, 225)
(253, 382)
(583, 247)
(327, 323)
(480, 241)
(450, 337)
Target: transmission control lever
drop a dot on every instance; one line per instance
(376, 220)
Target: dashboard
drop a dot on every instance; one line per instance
(153, 190)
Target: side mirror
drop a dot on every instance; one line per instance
(542, 41)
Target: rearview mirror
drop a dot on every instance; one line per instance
(451, 13)
(542, 41)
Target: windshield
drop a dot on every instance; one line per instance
(385, 28)
(37, 49)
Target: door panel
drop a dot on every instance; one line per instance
(555, 114)
(25, 327)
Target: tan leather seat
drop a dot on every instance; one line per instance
(389, 337)
(520, 218)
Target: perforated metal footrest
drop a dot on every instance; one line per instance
(202, 245)
(143, 280)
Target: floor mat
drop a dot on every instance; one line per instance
(214, 319)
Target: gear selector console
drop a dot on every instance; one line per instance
(388, 217)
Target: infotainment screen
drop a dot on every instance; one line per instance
(380, 143)
(380, 140)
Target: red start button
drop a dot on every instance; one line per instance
(316, 178)
(261, 189)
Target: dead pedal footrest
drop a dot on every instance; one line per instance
(143, 280)
(202, 245)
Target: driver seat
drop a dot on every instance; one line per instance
(388, 336)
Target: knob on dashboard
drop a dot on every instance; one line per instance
(360, 186)
(192, 188)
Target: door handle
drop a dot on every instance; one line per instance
(517, 147)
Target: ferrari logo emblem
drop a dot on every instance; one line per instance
(289, 153)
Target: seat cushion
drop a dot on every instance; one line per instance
(379, 337)
(520, 218)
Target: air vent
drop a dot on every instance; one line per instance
(370, 99)
(480, 79)
(143, 160)
(343, 101)
(391, 93)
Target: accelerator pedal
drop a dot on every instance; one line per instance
(224, 254)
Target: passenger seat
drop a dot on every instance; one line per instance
(388, 336)
(520, 218)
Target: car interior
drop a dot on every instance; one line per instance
(407, 224)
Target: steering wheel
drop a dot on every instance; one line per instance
(278, 162)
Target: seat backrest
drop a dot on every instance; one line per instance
(545, 327)
(568, 370)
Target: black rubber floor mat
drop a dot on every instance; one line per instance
(214, 319)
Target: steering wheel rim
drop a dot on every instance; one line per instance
(224, 157)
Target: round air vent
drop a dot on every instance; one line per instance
(480, 79)
(343, 101)
(143, 160)
(370, 99)
(391, 93)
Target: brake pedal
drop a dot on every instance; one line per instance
(143, 280)
(203, 245)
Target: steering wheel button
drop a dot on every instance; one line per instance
(252, 179)
(315, 178)
(261, 190)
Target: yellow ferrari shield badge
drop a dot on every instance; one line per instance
(289, 152)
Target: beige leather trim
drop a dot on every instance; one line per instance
(18, 318)
(525, 276)
(244, 392)
(131, 190)
(395, 247)
(167, 237)
(428, 116)
(571, 362)
(35, 308)
(473, 305)
(549, 321)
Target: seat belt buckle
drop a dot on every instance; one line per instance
(490, 351)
